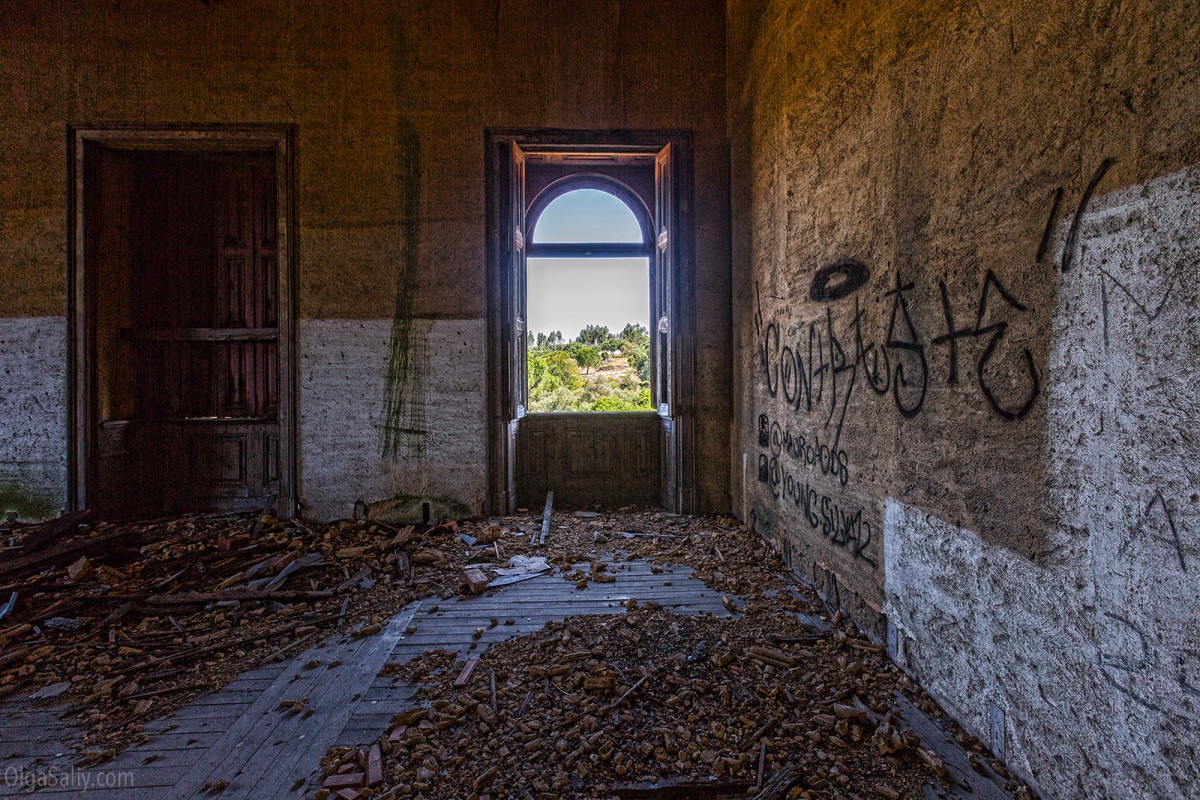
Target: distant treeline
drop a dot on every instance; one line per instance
(560, 371)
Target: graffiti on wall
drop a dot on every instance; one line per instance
(818, 371)
(863, 337)
(827, 362)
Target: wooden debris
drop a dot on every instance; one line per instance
(468, 670)
(489, 535)
(776, 658)
(628, 692)
(204, 598)
(681, 790)
(374, 766)
(850, 712)
(61, 553)
(81, 570)
(781, 783)
(546, 514)
(344, 780)
(184, 604)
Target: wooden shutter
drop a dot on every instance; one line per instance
(664, 283)
(517, 272)
(664, 323)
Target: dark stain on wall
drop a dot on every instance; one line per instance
(408, 360)
(404, 424)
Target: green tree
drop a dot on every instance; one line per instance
(535, 367)
(560, 364)
(593, 334)
(639, 359)
(612, 403)
(635, 334)
(587, 357)
(561, 399)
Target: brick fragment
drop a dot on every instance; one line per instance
(467, 672)
(374, 766)
(344, 780)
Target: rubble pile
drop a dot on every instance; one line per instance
(595, 706)
(126, 622)
(779, 700)
(726, 556)
(722, 553)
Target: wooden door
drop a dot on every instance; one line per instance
(187, 383)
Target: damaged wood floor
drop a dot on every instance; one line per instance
(264, 734)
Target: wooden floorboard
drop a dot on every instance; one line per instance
(247, 733)
(190, 724)
(187, 740)
(292, 765)
(211, 710)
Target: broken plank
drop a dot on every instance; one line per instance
(203, 598)
(374, 765)
(188, 656)
(62, 552)
(781, 784)
(963, 778)
(465, 676)
(667, 790)
(38, 536)
(546, 516)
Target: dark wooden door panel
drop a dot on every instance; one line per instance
(589, 460)
(194, 424)
(189, 465)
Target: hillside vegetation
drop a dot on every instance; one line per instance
(597, 371)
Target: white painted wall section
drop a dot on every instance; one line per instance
(33, 411)
(343, 391)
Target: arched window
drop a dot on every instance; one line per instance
(588, 295)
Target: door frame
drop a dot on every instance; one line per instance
(501, 426)
(279, 139)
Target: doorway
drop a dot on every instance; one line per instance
(612, 440)
(182, 321)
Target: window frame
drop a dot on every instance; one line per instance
(589, 180)
(646, 249)
(672, 188)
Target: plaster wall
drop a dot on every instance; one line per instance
(33, 419)
(343, 378)
(390, 100)
(967, 328)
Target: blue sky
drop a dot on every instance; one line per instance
(568, 294)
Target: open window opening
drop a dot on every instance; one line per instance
(568, 212)
(588, 294)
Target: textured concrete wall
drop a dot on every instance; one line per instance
(390, 100)
(965, 250)
(343, 380)
(33, 419)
